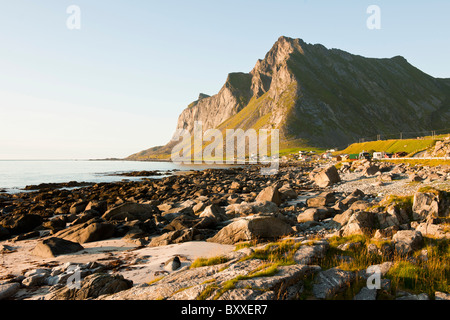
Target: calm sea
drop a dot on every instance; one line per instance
(15, 175)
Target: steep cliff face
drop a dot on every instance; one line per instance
(322, 97)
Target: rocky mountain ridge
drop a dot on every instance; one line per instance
(321, 97)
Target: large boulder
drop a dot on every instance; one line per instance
(321, 200)
(249, 208)
(7, 290)
(313, 214)
(131, 211)
(252, 228)
(326, 177)
(173, 237)
(21, 223)
(370, 170)
(215, 212)
(360, 223)
(393, 217)
(4, 233)
(54, 247)
(425, 204)
(270, 194)
(437, 231)
(407, 241)
(94, 286)
(87, 232)
(287, 192)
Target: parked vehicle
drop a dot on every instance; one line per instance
(364, 155)
(379, 155)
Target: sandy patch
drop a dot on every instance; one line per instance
(137, 264)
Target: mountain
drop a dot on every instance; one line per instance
(321, 97)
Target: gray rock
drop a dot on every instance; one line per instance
(366, 294)
(214, 212)
(434, 230)
(407, 241)
(8, 290)
(408, 296)
(35, 277)
(54, 247)
(360, 223)
(442, 296)
(326, 177)
(93, 286)
(78, 207)
(425, 204)
(172, 264)
(332, 281)
(132, 211)
(251, 228)
(20, 223)
(172, 237)
(270, 194)
(310, 253)
(87, 232)
(313, 214)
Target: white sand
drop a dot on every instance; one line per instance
(140, 264)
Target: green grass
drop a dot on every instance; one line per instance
(360, 259)
(281, 253)
(409, 146)
(202, 262)
(424, 276)
(422, 162)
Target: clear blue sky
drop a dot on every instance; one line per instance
(117, 85)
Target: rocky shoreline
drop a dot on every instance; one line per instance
(260, 237)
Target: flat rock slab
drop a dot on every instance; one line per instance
(332, 281)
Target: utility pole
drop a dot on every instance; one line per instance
(401, 135)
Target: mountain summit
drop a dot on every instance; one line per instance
(321, 97)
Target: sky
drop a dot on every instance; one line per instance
(117, 85)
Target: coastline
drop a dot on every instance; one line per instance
(147, 235)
